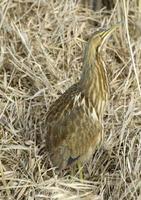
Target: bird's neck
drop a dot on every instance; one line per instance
(94, 80)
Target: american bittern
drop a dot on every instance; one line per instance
(74, 121)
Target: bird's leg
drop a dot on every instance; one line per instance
(80, 170)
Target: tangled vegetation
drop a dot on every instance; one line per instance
(41, 50)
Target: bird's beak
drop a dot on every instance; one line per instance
(106, 33)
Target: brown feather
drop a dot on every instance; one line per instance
(74, 121)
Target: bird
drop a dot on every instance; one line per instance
(75, 120)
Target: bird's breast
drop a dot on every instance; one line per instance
(93, 114)
(93, 108)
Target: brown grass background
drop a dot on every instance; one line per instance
(41, 50)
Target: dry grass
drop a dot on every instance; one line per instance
(41, 45)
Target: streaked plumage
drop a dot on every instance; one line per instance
(74, 121)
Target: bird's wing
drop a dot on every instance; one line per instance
(62, 105)
(69, 127)
(73, 137)
(58, 115)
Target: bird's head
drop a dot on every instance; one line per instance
(92, 50)
(98, 38)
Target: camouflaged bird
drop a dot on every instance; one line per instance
(74, 120)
